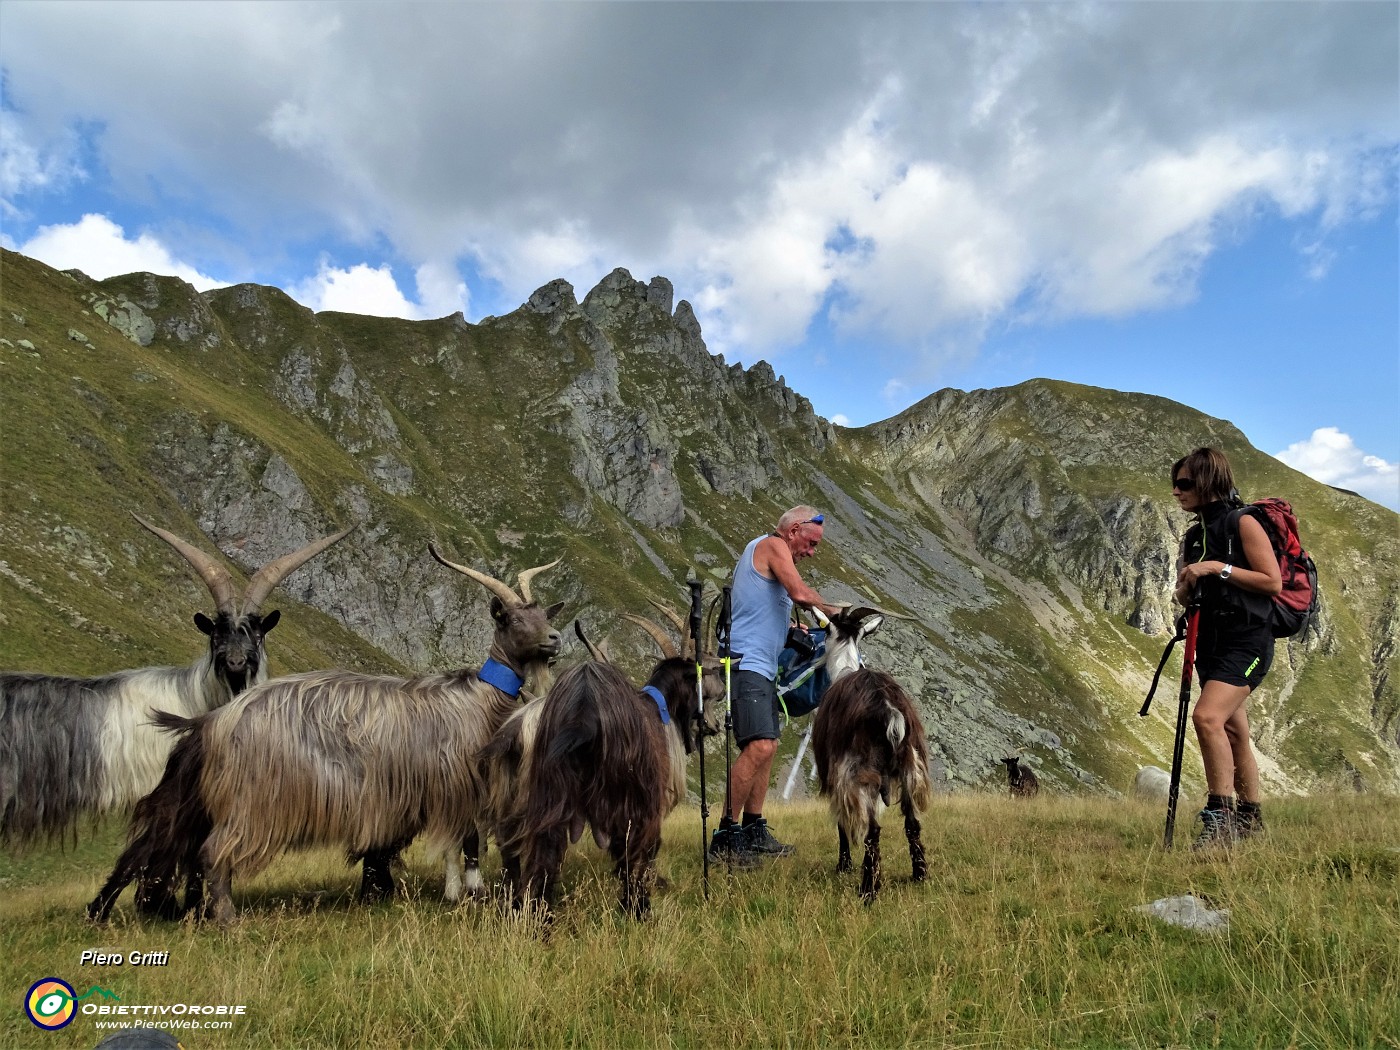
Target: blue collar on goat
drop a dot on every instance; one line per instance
(502, 677)
(655, 694)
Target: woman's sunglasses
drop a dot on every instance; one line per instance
(1184, 484)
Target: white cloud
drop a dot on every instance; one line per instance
(841, 419)
(100, 248)
(1331, 457)
(364, 289)
(910, 168)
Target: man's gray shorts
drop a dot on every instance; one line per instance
(754, 707)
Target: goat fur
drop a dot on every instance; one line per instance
(508, 759)
(601, 760)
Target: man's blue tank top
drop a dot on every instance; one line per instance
(760, 609)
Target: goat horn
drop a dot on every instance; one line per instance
(274, 572)
(529, 574)
(593, 650)
(670, 614)
(214, 575)
(668, 647)
(495, 586)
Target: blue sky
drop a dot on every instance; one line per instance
(1192, 200)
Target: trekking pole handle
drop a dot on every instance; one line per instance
(726, 614)
(696, 613)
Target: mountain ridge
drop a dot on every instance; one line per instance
(1028, 529)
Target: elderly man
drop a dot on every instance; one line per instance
(766, 586)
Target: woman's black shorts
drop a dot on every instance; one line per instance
(1233, 656)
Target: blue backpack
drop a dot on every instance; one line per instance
(801, 682)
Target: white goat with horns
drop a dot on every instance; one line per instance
(74, 746)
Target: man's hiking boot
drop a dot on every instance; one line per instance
(1217, 829)
(760, 840)
(729, 844)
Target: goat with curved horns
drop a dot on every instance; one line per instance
(74, 746)
(867, 739)
(367, 762)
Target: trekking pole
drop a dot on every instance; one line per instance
(1188, 663)
(725, 655)
(695, 618)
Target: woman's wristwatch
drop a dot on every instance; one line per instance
(1225, 572)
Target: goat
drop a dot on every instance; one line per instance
(1021, 778)
(613, 757)
(867, 738)
(70, 746)
(598, 751)
(330, 757)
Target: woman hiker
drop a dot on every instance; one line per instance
(1234, 645)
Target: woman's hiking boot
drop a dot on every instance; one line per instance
(1217, 829)
(1249, 820)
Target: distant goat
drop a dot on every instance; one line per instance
(1021, 778)
(867, 739)
(367, 762)
(74, 746)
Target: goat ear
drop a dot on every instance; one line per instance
(498, 609)
(553, 610)
(271, 620)
(205, 624)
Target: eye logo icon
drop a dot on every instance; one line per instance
(51, 1003)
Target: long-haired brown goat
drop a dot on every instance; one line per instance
(607, 755)
(867, 740)
(368, 762)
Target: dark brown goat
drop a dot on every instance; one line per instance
(610, 756)
(867, 739)
(1021, 779)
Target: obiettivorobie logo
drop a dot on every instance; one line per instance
(52, 1004)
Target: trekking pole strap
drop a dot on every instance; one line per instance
(1162, 663)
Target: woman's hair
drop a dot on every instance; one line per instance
(1209, 468)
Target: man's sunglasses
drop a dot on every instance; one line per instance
(1184, 484)
(817, 520)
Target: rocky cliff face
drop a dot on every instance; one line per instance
(1026, 532)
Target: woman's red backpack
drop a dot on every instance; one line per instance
(1293, 608)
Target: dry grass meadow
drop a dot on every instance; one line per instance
(1025, 935)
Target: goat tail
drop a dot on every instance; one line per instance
(505, 762)
(168, 826)
(911, 748)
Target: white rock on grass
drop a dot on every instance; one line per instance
(1188, 911)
